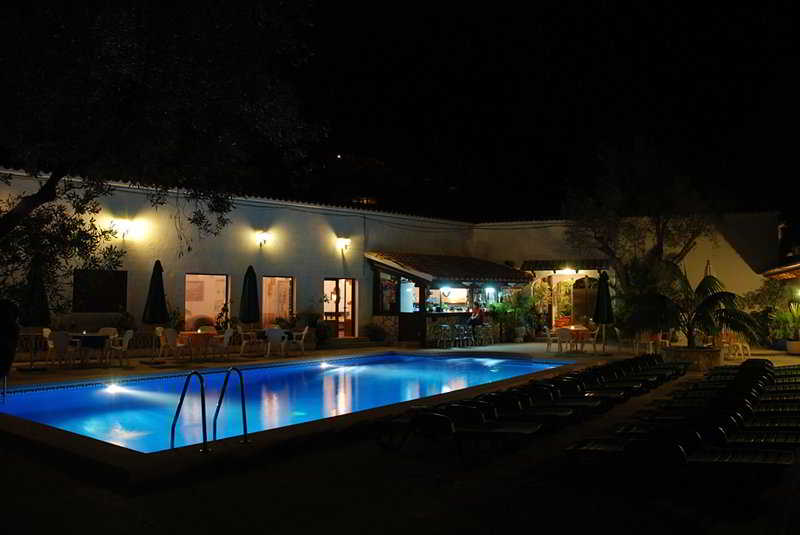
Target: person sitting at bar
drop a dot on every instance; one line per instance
(477, 316)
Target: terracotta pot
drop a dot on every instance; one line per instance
(702, 358)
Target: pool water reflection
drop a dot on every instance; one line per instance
(138, 414)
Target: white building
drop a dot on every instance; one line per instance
(302, 252)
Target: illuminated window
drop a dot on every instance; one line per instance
(205, 297)
(277, 294)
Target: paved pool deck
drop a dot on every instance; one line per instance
(345, 483)
(142, 362)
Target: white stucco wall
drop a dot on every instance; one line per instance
(304, 246)
(755, 237)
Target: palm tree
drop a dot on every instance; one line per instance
(707, 307)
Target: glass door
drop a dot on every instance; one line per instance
(339, 306)
(277, 294)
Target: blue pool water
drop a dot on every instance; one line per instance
(137, 414)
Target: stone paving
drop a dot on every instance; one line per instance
(346, 483)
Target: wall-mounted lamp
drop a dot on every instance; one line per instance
(264, 238)
(343, 244)
(135, 229)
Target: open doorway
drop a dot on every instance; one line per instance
(339, 306)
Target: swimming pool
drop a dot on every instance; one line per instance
(137, 413)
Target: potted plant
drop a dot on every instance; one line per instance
(788, 327)
(707, 308)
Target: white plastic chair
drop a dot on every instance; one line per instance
(63, 352)
(551, 338)
(222, 342)
(47, 335)
(172, 345)
(299, 339)
(740, 346)
(121, 345)
(276, 336)
(625, 341)
(247, 338)
(158, 334)
(564, 336)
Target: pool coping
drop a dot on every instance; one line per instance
(121, 466)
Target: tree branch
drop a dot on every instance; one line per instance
(29, 203)
(687, 248)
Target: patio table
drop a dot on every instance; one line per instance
(579, 334)
(200, 340)
(86, 340)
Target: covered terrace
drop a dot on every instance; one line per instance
(413, 292)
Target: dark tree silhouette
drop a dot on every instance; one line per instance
(194, 97)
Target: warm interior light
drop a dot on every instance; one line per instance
(343, 243)
(130, 229)
(264, 237)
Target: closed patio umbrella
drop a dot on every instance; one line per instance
(249, 311)
(603, 313)
(155, 308)
(35, 309)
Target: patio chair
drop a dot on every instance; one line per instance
(299, 339)
(63, 352)
(484, 335)
(172, 343)
(223, 342)
(276, 336)
(112, 334)
(49, 354)
(625, 341)
(463, 336)
(740, 346)
(594, 336)
(564, 337)
(248, 338)
(121, 345)
(158, 336)
(551, 338)
(443, 336)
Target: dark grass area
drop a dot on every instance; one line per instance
(344, 482)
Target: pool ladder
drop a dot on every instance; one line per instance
(205, 448)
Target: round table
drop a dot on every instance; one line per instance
(199, 340)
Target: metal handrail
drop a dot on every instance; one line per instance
(204, 448)
(222, 396)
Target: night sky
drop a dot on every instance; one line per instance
(494, 113)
